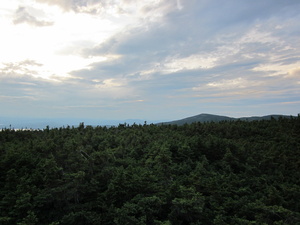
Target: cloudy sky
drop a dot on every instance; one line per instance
(149, 59)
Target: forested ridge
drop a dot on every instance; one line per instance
(231, 172)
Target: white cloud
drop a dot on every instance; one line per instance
(16, 98)
(279, 69)
(119, 9)
(259, 35)
(191, 62)
(236, 83)
(108, 83)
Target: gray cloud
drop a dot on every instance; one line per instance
(22, 91)
(190, 30)
(23, 16)
(195, 56)
(184, 34)
(237, 38)
(19, 69)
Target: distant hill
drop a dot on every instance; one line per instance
(216, 118)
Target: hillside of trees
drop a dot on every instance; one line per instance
(204, 118)
(230, 172)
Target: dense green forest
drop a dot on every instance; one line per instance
(230, 172)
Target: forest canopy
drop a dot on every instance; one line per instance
(230, 172)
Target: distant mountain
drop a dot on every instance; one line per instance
(216, 118)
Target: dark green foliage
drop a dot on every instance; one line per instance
(230, 172)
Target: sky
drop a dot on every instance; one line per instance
(149, 59)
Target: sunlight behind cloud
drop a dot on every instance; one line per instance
(294, 72)
(58, 47)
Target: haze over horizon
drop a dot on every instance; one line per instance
(149, 59)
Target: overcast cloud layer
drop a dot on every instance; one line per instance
(149, 59)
